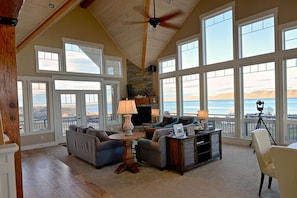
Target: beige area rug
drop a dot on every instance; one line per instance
(236, 175)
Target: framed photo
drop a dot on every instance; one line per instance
(178, 130)
(211, 125)
(191, 130)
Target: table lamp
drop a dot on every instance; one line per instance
(127, 108)
(203, 116)
(155, 114)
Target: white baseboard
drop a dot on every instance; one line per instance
(34, 146)
(239, 142)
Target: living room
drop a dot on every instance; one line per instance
(237, 121)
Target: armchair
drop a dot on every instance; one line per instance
(154, 151)
(262, 145)
(285, 161)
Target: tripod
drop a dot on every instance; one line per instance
(260, 120)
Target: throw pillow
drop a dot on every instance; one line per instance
(101, 135)
(81, 129)
(184, 121)
(166, 120)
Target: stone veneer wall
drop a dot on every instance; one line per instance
(141, 81)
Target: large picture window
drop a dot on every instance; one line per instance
(259, 85)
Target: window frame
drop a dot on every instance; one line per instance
(28, 109)
(87, 44)
(39, 48)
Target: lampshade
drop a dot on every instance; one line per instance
(203, 114)
(127, 107)
(155, 112)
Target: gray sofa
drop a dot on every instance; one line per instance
(93, 146)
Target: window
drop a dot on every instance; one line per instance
(190, 94)
(169, 95)
(167, 65)
(291, 73)
(257, 37)
(218, 37)
(112, 98)
(40, 112)
(188, 54)
(21, 106)
(48, 59)
(220, 99)
(259, 84)
(289, 38)
(113, 66)
(82, 57)
(77, 85)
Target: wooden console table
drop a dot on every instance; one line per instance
(189, 152)
(128, 157)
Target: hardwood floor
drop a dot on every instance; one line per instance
(45, 176)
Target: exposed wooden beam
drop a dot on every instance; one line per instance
(145, 26)
(47, 23)
(86, 3)
(8, 82)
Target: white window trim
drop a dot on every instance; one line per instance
(185, 41)
(210, 14)
(84, 43)
(48, 49)
(27, 90)
(257, 17)
(114, 58)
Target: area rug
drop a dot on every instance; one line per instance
(236, 175)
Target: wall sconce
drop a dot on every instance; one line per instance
(127, 108)
(203, 116)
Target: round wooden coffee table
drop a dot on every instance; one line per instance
(128, 157)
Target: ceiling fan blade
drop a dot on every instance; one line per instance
(171, 15)
(133, 22)
(169, 25)
(139, 9)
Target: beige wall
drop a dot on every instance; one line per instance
(243, 9)
(79, 24)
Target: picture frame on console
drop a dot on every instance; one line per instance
(191, 130)
(178, 130)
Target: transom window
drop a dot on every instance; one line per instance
(218, 37)
(257, 37)
(48, 59)
(290, 38)
(167, 65)
(82, 57)
(189, 54)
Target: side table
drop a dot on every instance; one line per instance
(128, 157)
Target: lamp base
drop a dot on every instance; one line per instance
(128, 125)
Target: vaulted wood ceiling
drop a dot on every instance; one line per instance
(139, 42)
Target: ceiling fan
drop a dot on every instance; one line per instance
(161, 21)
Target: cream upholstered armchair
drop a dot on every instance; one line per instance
(285, 161)
(262, 145)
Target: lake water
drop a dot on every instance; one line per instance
(224, 107)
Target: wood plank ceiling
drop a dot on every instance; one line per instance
(139, 42)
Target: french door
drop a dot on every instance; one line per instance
(82, 108)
